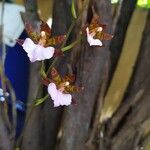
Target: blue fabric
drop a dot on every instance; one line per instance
(17, 70)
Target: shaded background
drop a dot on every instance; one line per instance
(113, 110)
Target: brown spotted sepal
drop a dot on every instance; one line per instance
(64, 84)
(36, 35)
(95, 32)
(42, 35)
(41, 44)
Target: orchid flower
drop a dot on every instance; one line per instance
(37, 52)
(91, 40)
(60, 88)
(58, 96)
(95, 33)
(39, 45)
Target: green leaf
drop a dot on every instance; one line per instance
(41, 100)
(73, 9)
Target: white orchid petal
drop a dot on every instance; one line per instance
(37, 52)
(32, 56)
(28, 45)
(59, 98)
(48, 52)
(56, 103)
(52, 90)
(65, 99)
(91, 40)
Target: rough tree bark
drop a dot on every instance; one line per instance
(120, 26)
(5, 130)
(43, 125)
(5, 140)
(129, 127)
(52, 116)
(30, 137)
(90, 69)
(124, 130)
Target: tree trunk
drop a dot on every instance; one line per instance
(52, 116)
(90, 70)
(120, 26)
(129, 127)
(30, 137)
(69, 128)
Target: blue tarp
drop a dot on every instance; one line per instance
(17, 70)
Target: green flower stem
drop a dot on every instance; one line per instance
(41, 100)
(64, 49)
(73, 9)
